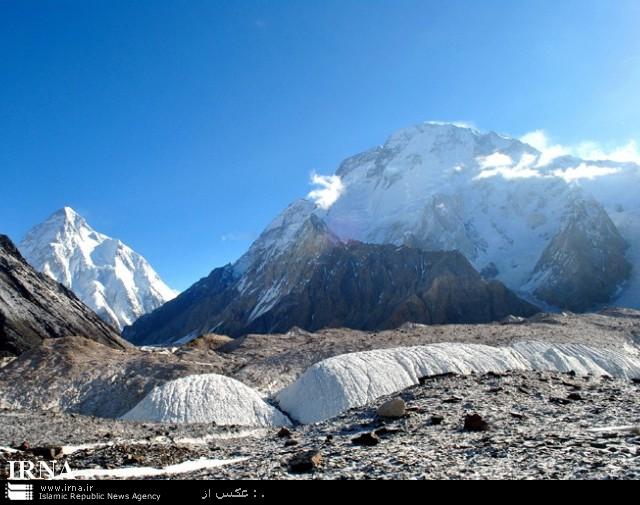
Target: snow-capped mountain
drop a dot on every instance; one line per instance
(563, 232)
(501, 203)
(107, 275)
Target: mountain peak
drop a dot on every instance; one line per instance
(67, 212)
(7, 245)
(440, 132)
(66, 218)
(106, 274)
(431, 152)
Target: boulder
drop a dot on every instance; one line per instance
(475, 422)
(392, 409)
(305, 462)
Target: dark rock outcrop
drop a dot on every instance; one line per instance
(374, 287)
(34, 308)
(321, 282)
(585, 264)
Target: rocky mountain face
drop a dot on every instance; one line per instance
(374, 287)
(319, 281)
(107, 275)
(585, 262)
(34, 308)
(563, 233)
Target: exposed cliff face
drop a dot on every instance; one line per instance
(321, 282)
(34, 308)
(370, 287)
(585, 262)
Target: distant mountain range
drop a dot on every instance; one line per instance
(107, 275)
(440, 224)
(563, 233)
(317, 281)
(34, 308)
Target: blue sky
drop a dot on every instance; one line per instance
(184, 127)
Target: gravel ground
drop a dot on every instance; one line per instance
(77, 375)
(540, 426)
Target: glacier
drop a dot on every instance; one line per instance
(208, 398)
(343, 382)
(107, 275)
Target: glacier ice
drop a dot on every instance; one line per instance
(208, 398)
(338, 384)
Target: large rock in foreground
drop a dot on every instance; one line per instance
(33, 308)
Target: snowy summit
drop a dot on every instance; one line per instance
(557, 231)
(107, 275)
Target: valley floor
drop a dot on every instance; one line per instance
(540, 426)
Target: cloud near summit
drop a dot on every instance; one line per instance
(329, 189)
(587, 150)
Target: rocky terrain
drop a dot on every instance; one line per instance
(506, 426)
(79, 375)
(34, 308)
(96, 380)
(270, 362)
(59, 400)
(585, 262)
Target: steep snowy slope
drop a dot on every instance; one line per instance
(338, 384)
(585, 262)
(206, 398)
(34, 308)
(497, 200)
(562, 233)
(107, 275)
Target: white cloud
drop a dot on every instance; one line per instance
(531, 165)
(330, 189)
(495, 160)
(585, 171)
(541, 142)
(589, 151)
(498, 164)
(628, 152)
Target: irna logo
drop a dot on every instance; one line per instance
(19, 492)
(28, 470)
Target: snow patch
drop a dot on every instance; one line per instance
(145, 471)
